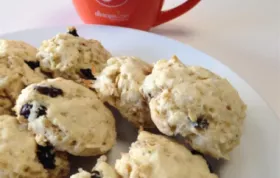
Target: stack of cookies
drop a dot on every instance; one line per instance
(53, 103)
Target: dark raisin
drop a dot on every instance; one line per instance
(72, 31)
(201, 123)
(194, 152)
(25, 110)
(49, 91)
(48, 74)
(228, 107)
(87, 74)
(46, 156)
(96, 174)
(41, 111)
(33, 64)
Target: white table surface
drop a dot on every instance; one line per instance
(244, 35)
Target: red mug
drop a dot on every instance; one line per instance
(139, 14)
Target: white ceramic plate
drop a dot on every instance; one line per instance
(258, 156)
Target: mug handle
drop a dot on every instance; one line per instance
(165, 16)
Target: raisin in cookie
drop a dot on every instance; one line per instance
(15, 75)
(67, 115)
(72, 57)
(119, 83)
(20, 156)
(196, 104)
(155, 156)
(101, 170)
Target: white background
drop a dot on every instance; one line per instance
(243, 34)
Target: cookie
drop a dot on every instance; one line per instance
(196, 104)
(67, 115)
(19, 49)
(101, 169)
(119, 83)
(23, 51)
(5, 104)
(72, 57)
(20, 156)
(81, 174)
(155, 156)
(15, 75)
